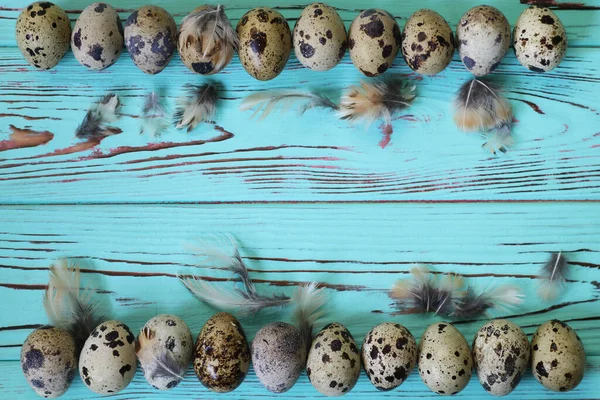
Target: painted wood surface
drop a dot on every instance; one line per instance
(310, 199)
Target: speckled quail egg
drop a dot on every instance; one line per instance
(222, 356)
(445, 360)
(373, 41)
(107, 362)
(97, 39)
(49, 361)
(427, 42)
(500, 353)
(389, 354)
(150, 34)
(483, 37)
(278, 356)
(320, 39)
(557, 356)
(265, 43)
(199, 50)
(165, 340)
(539, 39)
(43, 34)
(333, 364)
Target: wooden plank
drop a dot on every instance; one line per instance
(579, 18)
(291, 158)
(356, 251)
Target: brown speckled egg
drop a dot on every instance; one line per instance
(265, 43)
(278, 356)
(107, 362)
(389, 354)
(196, 48)
(319, 36)
(49, 361)
(539, 39)
(222, 356)
(43, 34)
(97, 40)
(150, 34)
(333, 364)
(557, 356)
(373, 41)
(483, 37)
(445, 360)
(427, 42)
(500, 353)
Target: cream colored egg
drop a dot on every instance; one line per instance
(97, 39)
(427, 42)
(539, 39)
(373, 41)
(320, 39)
(43, 32)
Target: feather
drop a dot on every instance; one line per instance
(480, 106)
(379, 100)
(67, 305)
(267, 101)
(498, 141)
(209, 31)
(308, 302)
(157, 359)
(425, 293)
(153, 115)
(473, 305)
(553, 275)
(199, 106)
(94, 124)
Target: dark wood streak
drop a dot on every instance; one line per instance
(559, 5)
(6, 346)
(20, 327)
(28, 118)
(21, 138)
(531, 104)
(18, 286)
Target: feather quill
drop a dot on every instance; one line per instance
(481, 106)
(200, 105)
(209, 31)
(153, 115)
(308, 302)
(99, 115)
(159, 358)
(473, 304)
(67, 304)
(373, 101)
(553, 275)
(264, 103)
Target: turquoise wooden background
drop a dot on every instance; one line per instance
(310, 199)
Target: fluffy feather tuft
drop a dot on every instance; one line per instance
(67, 305)
(159, 358)
(96, 120)
(153, 116)
(472, 304)
(553, 275)
(379, 100)
(498, 141)
(200, 105)
(308, 302)
(264, 103)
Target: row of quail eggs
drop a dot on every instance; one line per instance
(206, 40)
(221, 356)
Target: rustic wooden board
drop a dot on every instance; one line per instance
(310, 199)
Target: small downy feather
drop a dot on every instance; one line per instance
(379, 100)
(481, 106)
(472, 304)
(243, 301)
(153, 115)
(96, 120)
(200, 105)
(308, 303)
(67, 304)
(210, 28)
(424, 293)
(553, 275)
(161, 358)
(264, 103)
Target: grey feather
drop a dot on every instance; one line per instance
(473, 304)
(153, 115)
(553, 274)
(167, 367)
(264, 103)
(199, 105)
(96, 120)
